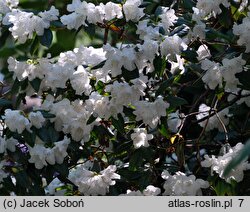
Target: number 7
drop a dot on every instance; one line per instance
(241, 201)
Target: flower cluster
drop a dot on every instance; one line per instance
(219, 163)
(182, 185)
(91, 183)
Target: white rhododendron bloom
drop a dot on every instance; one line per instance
(151, 191)
(51, 189)
(24, 69)
(246, 100)
(148, 191)
(72, 117)
(151, 112)
(218, 164)
(174, 121)
(36, 119)
(242, 30)
(80, 81)
(9, 144)
(203, 52)
(182, 185)
(168, 18)
(41, 156)
(7, 5)
(92, 183)
(15, 121)
(132, 11)
(146, 32)
(83, 11)
(229, 69)
(209, 6)
(213, 75)
(140, 138)
(100, 105)
(172, 45)
(213, 121)
(38, 156)
(26, 23)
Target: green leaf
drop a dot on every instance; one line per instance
(46, 38)
(91, 119)
(136, 160)
(48, 134)
(118, 124)
(175, 101)
(129, 75)
(4, 37)
(46, 114)
(62, 169)
(34, 46)
(159, 65)
(225, 17)
(6, 52)
(30, 137)
(241, 156)
(163, 87)
(244, 77)
(36, 84)
(66, 39)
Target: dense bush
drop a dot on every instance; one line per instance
(124, 97)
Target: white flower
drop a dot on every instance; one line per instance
(36, 119)
(38, 155)
(151, 191)
(26, 23)
(203, 52)
(147, 32)
(182, 185)
(132, 193)
(174, 121)
(199, 31)
(229, 69)
(9, 144)
(132, 11)
(51, 189)
(213, 121)
(140, 138)
(60, 149)
(7, 5)
(50, 15)
(148, 50)
(178, 65)
(80, 81)
(99, 105)
(246, 100)
(213, 75)
(112, 10)
(91, 183)
(150, 112)
(168, 18)
(218, 164)
(83, 11)
(24, 69)
(172, 45)
(15, 121)
(209, 6)
(78, 16)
